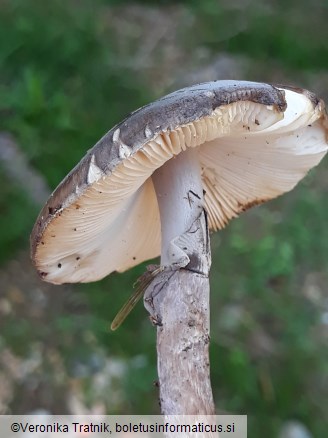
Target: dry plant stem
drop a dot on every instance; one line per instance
(182, 346)
(180, 295)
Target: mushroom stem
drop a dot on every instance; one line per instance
(179, 191)
(180, 298)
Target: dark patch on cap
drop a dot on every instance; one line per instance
(53, 210)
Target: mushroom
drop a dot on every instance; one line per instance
(156, 183)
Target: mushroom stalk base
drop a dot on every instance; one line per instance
(178, 298)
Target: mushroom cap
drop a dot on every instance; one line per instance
(254, 142)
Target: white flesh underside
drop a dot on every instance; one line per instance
(116, 224)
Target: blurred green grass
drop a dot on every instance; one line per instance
(62, 88)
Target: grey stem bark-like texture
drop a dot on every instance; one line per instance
(183, 344)
(180, 303)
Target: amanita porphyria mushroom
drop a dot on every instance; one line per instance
(156, 183)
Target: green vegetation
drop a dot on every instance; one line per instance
(60, 86)
(63, 84)
(279, 33)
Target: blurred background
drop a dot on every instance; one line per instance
(68, 72)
